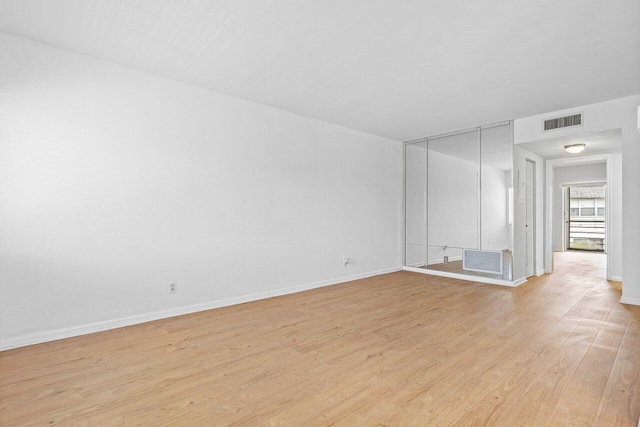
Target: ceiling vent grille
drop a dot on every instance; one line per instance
(563, 122)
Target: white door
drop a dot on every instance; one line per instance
(566, 217)
(529, 223)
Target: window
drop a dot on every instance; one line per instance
(587, 212)
(574, 212)
(600, 211)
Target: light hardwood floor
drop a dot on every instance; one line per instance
(397, 349)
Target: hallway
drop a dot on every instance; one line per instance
(582, 264)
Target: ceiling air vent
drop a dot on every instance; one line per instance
(563, 122)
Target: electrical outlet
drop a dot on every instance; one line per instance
(346, 260)
(173, 287)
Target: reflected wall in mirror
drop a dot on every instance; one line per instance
(415, 204)
(495, 177)
(457, 202)
(452, 190)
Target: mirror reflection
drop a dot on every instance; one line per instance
(457, 203)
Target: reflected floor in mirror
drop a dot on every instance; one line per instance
(456, 267)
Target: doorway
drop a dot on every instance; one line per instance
(555, 229)
(552, 162)
(585, 218)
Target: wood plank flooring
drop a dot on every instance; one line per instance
(396, 349)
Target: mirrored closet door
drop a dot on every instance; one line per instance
(458, 216)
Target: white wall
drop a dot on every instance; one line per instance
(115, 182)
(495, 229)
(453, 207)
(571, 175)
(453, 203)
(615, 114)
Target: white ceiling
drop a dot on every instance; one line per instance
(600, 142)
(397, 68)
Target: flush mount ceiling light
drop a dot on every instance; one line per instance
(574, 148)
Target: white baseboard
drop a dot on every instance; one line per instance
(416, 264)
(519, 281)
(466, 277)
(57, 334)
(616, 278)
(540, 272)
(630, 300)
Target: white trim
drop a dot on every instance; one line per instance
(540, 272)
(565, 228)
(583, 184)
(534, 220)
(426, 200)
(479, 195)
(616, 278)
(549, 249)
(57, 334)
(466, 277)
(630, 300)
(577, 160)
(416, 264)
(404, 203)
(565, 232)
(414, 141)
(519, 281)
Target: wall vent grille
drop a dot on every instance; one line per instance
(563, 122)
(482, 261)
